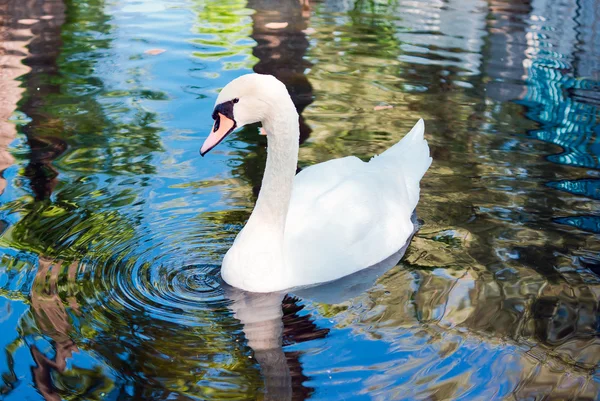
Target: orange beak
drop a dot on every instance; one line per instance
(222, 127)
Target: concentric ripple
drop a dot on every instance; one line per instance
(170, 292)
(150, 283)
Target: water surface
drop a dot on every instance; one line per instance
(113, 228)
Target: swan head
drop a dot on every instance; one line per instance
(247, 99)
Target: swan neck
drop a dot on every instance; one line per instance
(282, 159)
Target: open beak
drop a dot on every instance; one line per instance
(223, 126)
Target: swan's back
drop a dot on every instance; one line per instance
(346, 215)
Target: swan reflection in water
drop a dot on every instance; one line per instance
(266, 326)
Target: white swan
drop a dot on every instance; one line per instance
(332, 219)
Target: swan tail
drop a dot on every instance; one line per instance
(410, 157)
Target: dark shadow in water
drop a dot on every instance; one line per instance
(281, 51)
(44, 50)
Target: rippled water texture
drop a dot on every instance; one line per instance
(113, 228)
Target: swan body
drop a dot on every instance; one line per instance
(332, 219)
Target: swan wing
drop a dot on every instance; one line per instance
(354, 224)
(346, 215)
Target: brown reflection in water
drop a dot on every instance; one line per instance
(278, 27)
(51, 317)
(51, 313)
(14, 34)
(44, 48)
(281, 49)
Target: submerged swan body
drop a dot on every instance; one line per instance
(332, 219)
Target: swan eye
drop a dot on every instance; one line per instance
(225, 108)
